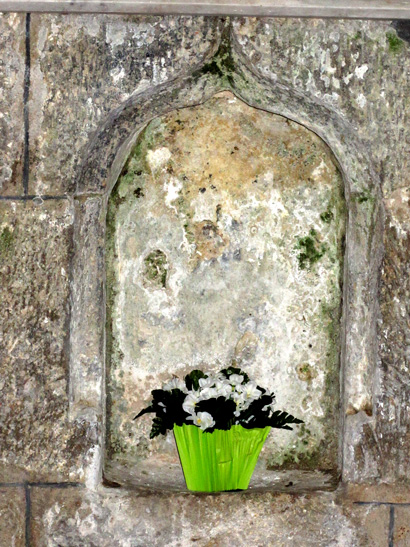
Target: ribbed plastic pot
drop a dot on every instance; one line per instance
(221, 460)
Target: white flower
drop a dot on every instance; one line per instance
(223, 388)
(175, 383)
(203, 420)
(239, 398)
(206, 382)
(190, 402)
(208, 393)
(250, 391)
(236, 379)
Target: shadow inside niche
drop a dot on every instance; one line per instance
(166, 477)
(402, 28)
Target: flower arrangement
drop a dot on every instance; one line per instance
(215, 401)
(220, 422)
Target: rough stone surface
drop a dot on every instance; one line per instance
(35, 437)
(360, 69)
(225, 245)
(401, 536)
(12, 517)
(397, 493)
(74, 517)
(12, 64)
(87, 304)
(229, 68)
(85, 66)
(374, 520)
(386, 444)
(95, 82)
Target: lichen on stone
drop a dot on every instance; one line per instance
(327, 216)
(6, 240)
(156, 268)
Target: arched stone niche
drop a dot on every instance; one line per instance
(104, 161)
(224, 244)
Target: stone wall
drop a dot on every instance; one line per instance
(75, 91)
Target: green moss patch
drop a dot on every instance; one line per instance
(6, 240)
(310, 250)
(394, 42)
(326, 216)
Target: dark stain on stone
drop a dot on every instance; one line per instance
(138, 192)
(402, 28)
(222, 64)
(237, 255)
(326, 217)
(361, 197)
(305, 372)
(210, 241)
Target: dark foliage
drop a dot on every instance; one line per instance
(192, 379)
(167, 407)
(221, 410)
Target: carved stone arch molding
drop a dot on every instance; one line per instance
(103, 161)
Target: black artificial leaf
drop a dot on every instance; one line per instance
(234, 370)
(256, 407)
(192, 379)
(158, 427)
(220, 409)
(149, 408)
(257, 414)
(280, 419)
(159, 395)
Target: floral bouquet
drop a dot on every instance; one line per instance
(220, 422)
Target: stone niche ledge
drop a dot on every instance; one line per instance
(168, 477)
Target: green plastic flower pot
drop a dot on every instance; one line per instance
(221, 460)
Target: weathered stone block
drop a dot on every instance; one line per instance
(12, 517)
(12, 66)
(374, 521)
(360, 69)
(401, 534)
(67, 517)
(381, 447)
(87, 310)
(378, 492)
(85, 66)
(37, 440)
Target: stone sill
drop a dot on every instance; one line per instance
(166, 477)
